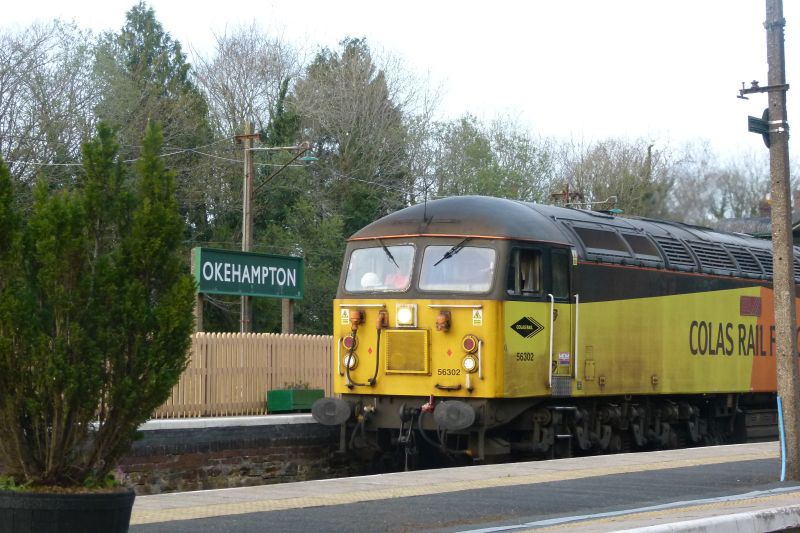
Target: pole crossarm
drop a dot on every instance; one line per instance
(302, 146)
(246, 137)
(298, 151)
(756, 88)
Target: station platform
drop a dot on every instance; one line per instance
(720, 488)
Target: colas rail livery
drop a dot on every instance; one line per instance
(479, 326)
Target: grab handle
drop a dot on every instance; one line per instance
(552, 324)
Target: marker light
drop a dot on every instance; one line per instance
(470, 363)
(349, 342)
(350, 360)
(470, 343)
(406, 315)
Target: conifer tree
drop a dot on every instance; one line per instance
(96, 325)
(146, 77)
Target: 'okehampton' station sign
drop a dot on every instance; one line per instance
(248, 274)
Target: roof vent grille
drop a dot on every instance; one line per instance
(747, 263)
(712, 256)
(676, 253)
(765, 258)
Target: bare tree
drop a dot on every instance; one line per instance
(144, 77)
(631, 175)
(498, 159)
(743, 184)
(694, 195)
(242, 79)
(708, 188)
(347, 104)
(362, 115)
(47, 97)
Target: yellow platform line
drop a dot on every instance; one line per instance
(149, 516)
(674, 513)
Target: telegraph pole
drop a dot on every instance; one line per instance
(788, 374)
(287, 305)
(247, 216)
(775, 131)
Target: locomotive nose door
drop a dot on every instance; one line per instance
(561, 341)
(539, 322)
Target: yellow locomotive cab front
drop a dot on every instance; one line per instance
(410, 355)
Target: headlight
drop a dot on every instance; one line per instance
(470, 363)
(406, 315)
(350, 360)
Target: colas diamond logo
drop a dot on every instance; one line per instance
(527, 327)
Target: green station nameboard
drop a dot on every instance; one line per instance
(248, 274)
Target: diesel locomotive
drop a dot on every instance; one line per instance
(486, 327)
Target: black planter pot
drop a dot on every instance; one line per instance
(38, 512)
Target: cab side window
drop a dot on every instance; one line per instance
(560, 266)
(525, 273)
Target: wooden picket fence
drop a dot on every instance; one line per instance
(229, 374)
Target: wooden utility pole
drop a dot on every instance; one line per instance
(788, 375)
(287, 305)
(247, 216)
(287, 315)
(198, 302)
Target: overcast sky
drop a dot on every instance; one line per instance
(665, 70)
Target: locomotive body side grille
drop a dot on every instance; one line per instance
(407, 351)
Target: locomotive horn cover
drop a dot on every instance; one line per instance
(330, 411)
(454, 415)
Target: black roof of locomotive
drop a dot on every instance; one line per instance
(681, 246)
(485, 216)
(480, 216)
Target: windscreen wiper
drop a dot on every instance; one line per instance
(452, 251)
(388, 253)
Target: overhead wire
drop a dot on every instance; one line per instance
(170, 154)
(176, 151)
(262, 248)
(197, 150)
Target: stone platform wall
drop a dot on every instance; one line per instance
(181, 455)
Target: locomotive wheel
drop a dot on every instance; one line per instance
(615, 445)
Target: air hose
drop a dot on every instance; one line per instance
(371, 381)
(350, 382)
(377, 359)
